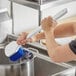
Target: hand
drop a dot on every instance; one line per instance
(48, 24)
(22, 39)
(38, 36)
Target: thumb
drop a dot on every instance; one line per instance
(29, 40)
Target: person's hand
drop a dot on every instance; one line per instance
(48, 23)
(22, 39)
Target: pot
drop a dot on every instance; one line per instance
(19, 68)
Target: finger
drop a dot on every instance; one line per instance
(42, 22)
(21, 38)
(50, 19)
(24, 34)
(29, 40)
(18, 41)
(23, 42)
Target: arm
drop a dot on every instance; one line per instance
(57, 53)
(65, 30)
(62, 30)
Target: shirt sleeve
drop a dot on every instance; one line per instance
(72, 46)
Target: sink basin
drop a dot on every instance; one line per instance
(44, 68)
(36, 67)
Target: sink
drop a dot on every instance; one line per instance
(44, 68)
(68, 72)
(36, 67)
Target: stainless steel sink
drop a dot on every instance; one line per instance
(68, 72)
(35, 67)
(44, 68)
(38, 66)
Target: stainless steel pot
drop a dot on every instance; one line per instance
(19, 68)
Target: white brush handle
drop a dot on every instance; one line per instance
(56, 17)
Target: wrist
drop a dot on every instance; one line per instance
(34, 39)
(49, 32)
(38, 37)
(49, 35)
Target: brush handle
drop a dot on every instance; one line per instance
(56, 17)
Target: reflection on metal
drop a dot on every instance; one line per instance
(12, 16)
(69, 72)
(5, 22)
(3, 10)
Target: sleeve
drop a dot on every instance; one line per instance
(72, 46)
